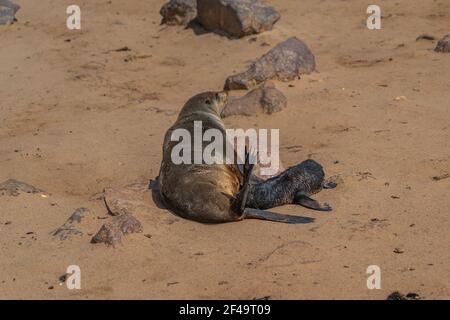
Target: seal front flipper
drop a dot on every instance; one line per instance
(251, 213)
(329, 185)
(309, 203)
(153, 184)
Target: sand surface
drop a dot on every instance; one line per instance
(77, 116)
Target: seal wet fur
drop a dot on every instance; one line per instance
(216, 193)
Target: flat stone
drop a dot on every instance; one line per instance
(126, 200)
(285, 62)
(111, 233)
(236, 18)
(264, 99)
(8, 11)
(12, 187)
(68, 229)
(178, 12)
(443, 45)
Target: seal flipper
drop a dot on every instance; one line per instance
(238, 202)
(153, 184)
(309, 203)
(251, 213)
(329, 185)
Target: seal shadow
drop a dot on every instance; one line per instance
(156, 196)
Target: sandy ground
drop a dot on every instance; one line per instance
(76, 117)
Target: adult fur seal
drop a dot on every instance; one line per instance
(215, 193)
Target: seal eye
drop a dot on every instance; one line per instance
(207, 101)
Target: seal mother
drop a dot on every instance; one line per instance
(216, 193)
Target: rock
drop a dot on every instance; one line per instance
(272, 100)
(178, 12)
(236, 18)
(67, 230)
(399, 296)
(285, 62)
(266, 99)
(8, 11)
(425, 37)
(126, 200)
(441, 177)
(63, 278)
(248, 105)
(111, 233)
(413, 296)
(12, 187)
(108, 234)
(443, 45)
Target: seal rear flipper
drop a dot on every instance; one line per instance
(239, 202)
(309, 203)
(251, 213)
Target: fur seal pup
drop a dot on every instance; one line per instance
(216, 193)
(293, 186)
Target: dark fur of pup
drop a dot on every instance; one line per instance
(293, 186)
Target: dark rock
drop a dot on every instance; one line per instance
(441, 177)
(285, 62)
(122, 49)
(399, 296)
(111, 233)
(266, 99)
(412, 296)
(12, 187)
(443, 45)
(396, 296)
(178, 12)
(63, 278)
(67, 230)
(397, 250)
(8, 11)
(236, 18)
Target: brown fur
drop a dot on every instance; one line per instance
(201, 192)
